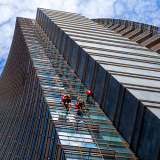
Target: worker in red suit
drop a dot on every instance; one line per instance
(89, 93)
(66, 99)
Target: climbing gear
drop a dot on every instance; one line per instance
(81, 105)
(80, 102)
(63, 99)
(66, 99)
(77, 106)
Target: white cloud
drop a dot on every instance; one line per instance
(6, 34)
(97, 8)
(5, 12)
(119, 8)
(137, 10)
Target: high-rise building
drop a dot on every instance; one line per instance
(62, 53)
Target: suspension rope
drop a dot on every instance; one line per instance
(86, 116)
(57, 83)
(92, 99)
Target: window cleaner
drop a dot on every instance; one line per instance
(80, 105)
(89, 93)
(66, 99)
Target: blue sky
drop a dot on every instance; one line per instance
(136, 10)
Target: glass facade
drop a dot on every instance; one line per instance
(123, 74)
(91, 129)
(65, 53)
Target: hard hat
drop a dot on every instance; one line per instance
(66, 95)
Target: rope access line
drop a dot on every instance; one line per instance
(96, 105)
(57, 83)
